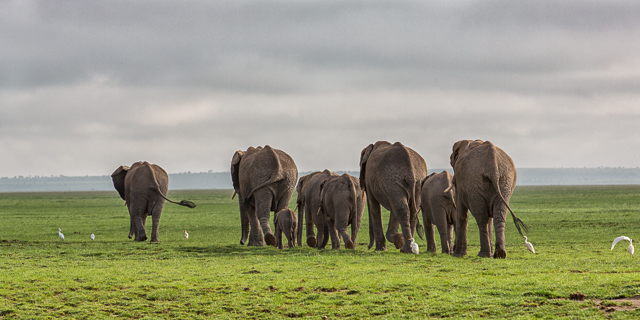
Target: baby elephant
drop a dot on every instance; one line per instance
(342, 204)
(286, 221)
(439, 209)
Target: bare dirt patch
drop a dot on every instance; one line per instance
(622, 304)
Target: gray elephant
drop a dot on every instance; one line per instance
(391, 174)
(264, 179)
(286, 222)
(439, 209)
(143, 187)
(342, 204)
(308, 203)
(484, 179)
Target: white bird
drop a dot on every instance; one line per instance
(414, 247)
(186, 235)
(93, 236)
(529, 245)
(60, 234)
(618, 239)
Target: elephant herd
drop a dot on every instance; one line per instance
(392, 176)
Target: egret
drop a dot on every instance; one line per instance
(60, 234)
(529, 245)
(186, 235)
(618, 239)
(414, 247)
(93, 236)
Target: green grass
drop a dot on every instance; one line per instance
(211, 275)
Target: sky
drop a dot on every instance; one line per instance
(87, 86)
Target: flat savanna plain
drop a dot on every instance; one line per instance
(211, 275)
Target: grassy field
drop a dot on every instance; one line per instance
(211, 275)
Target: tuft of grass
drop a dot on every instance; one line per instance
(211, 275)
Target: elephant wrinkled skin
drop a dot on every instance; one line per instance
(342, 204)
(286, 222)
(308, 203)
(439, 209)
(264, 179)
(390, 175)
(484, 180)
(143, 187)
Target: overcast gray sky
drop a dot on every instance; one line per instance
(86, 86)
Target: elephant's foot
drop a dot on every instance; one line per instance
(270, 239)
(350, 245)
(241, 242)
(255, 242)
(130, 236)
(398, 241)
(459, 254)
(484, 254)
(381, 247)
(141, 238)
(312, 241)
(500, 254)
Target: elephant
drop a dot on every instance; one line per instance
(264, 180)
(143, 187)
(484, 179)
(438, 209)
(308, 203)
(286, 222)
(390, 175)
(342, 204)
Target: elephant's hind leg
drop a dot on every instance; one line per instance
(263, 200)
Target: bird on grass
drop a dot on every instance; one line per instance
(529, 245)
(186, 235)
(618, 239)
(93, 236)
(60, 234)
(414, 247)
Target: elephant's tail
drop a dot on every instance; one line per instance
(519, 224)
(272, 179)
(185, 203)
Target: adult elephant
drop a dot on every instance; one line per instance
(391, 174)
(143, 187)
(308, 203)
(438, 209)
(342, 204)
(264, 180)
(484, 179)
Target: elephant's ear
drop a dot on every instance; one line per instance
(364, 156)
(456, 152)
(235, 166)
(301, 183)
(118, 180)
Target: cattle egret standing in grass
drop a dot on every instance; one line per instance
(414, 247)
(93, 236)
(186, 235)
(60, 234)
(529, 245)
(618, 239)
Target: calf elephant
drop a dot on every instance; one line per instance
(264, 180)
(439, 209)
(391, 174)
(308, 203)
(286, 222)
(342, 204)
(484, 179)
(143, 187)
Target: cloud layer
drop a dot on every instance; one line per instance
(87, 86)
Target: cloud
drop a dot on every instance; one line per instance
(87, 86)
